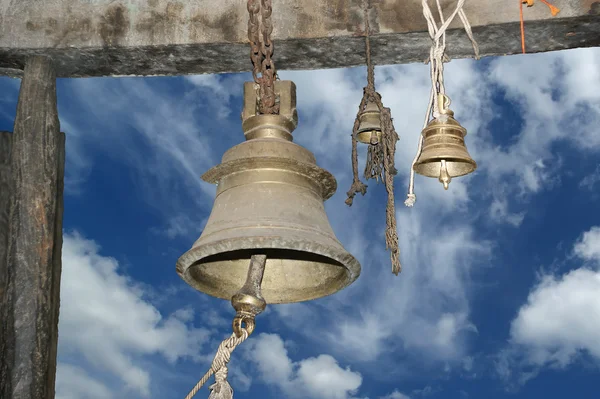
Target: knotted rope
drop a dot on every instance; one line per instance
(221, 388)
(380, 157)
(437, 57)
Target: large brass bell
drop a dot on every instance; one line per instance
(444, 153)
(270, 195)
(369, 130)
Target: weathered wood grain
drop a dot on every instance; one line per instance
(5, 145)
(6, 326)
(180, 37)
(5, 190)
(31, 301)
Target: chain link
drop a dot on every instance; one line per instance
(253, 37)
(268, 99)
(261, 54)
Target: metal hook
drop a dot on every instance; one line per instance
(238, 324)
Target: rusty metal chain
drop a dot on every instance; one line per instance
(253, 37)
(268, 99)
(261, 54)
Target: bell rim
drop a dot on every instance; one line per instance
(364, 136)
(470, 161)
(195, 254)
(324, 178)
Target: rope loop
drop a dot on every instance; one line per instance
(239, 321)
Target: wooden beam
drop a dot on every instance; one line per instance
(178, 37)
(32, 298)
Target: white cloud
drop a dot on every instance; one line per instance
(181, 225)
(590, 181)
(428, 390)
(424, 311)
(324, 378)
(560, 319)
(162, 139)
(77, 164)
(73, 382)
(316, 377)
(106, 322)
(588, 246)
(557, 104)
(499, 213)
(221, 90)
(395, 395)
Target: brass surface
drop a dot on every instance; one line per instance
(369, 130)
(269, 202)
(444, 154)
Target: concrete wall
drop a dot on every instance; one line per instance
(168, 37)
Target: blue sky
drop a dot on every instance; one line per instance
(500, 292)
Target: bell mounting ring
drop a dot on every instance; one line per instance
(257, 125)
(444, 104)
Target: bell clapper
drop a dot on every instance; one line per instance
(248, 302)
(374, 138)
(444, 178)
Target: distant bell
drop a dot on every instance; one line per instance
(444, 153)
(269, 200)
(369, 130)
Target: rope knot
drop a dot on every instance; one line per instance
(221, 388)
(357, 187)
(221, 375)
(438, 53)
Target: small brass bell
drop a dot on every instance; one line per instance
(269, 201)
(444, 152)
(369, 130)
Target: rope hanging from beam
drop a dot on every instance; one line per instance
(437, 58)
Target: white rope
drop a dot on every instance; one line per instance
(437, 57)
(221, 388)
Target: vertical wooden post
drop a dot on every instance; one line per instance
(5, 145)
(5, 190)
(31, 302)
